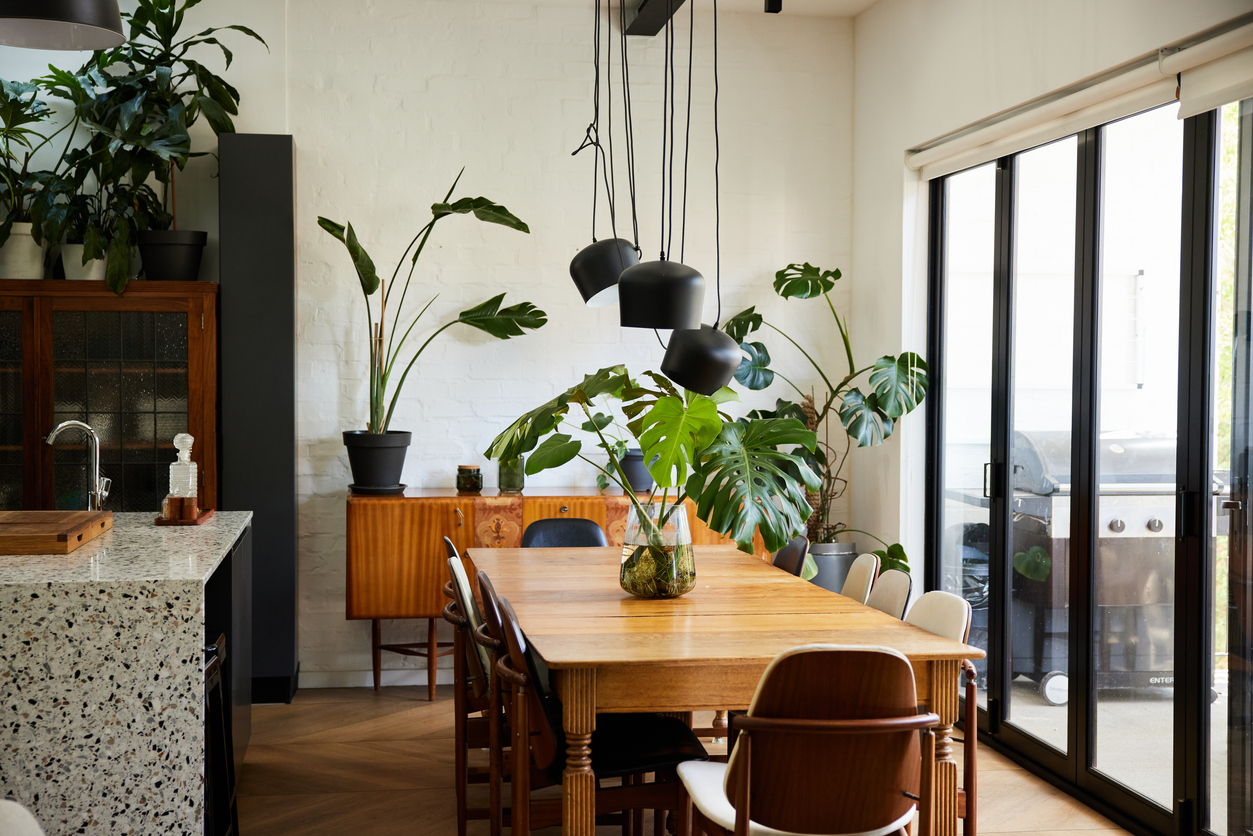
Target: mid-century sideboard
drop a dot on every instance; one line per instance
(396, 555)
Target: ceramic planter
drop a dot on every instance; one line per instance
(637, 474)
(377, 459)
(21, 257)
(833, 561)
(75, 270)
(172, 255)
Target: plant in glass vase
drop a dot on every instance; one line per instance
(739, 480)
(868, 400)
(377, 454)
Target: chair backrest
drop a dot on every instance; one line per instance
(890, 593)
(16, 820)
(814, 782)
(494, 622)
(861, 577)
(942, 613)
(548, 743)
(563, 533)
(791, 558)
(476, 655)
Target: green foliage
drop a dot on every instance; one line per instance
(741, 486)
(754, 371)
(864, 418)
(21, 113)
(1035, 563)
(742, 324)
(386, 347)
(674, 431)
(804, 281)
(900, 383)
(893, 557)
(523, 434)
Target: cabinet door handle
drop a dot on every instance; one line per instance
(461, 518)
(565, 509)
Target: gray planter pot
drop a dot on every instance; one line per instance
(833, 561)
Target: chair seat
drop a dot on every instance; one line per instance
(630, 744)
(704, 783)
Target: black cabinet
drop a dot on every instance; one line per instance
(228, 613)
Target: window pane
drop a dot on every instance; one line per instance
(1134, 594)
(1044, 313)
(967, 379)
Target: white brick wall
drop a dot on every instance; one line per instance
(387, 99)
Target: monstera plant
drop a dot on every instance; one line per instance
(868, 399)
(373, 452)
(740, 480)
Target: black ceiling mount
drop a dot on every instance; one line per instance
(774, 6)
(651, 15)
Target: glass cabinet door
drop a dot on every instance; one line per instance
(125, 373)
(12, 425)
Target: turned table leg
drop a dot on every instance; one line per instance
(943, 701)
(432, 657)
(376, 650)
(578, 784)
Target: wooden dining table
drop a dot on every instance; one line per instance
(610, 652)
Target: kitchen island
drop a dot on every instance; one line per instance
(102, 719)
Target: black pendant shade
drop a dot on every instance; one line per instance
(596, 269)
(661, 294)
(61, 24)
(703, 360)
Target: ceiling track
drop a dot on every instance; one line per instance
(651, 15)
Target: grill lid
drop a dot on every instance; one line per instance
(1042, 461)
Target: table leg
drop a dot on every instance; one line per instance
(943, 701)
(578, 784)
(376, 653)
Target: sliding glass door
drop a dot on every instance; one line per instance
(1092, 340)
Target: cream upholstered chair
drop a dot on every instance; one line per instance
(16, 820)
(890, 593)
(948, 615)
(860, 578)
(830, 745)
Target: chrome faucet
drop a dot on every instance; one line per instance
(99, 484)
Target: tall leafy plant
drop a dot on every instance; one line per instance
(386, 350)
(22, 115)
(739, 479)
(868, 400)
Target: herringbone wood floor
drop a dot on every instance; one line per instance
(352, 761)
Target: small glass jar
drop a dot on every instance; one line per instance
(512, 475)
(658, 560)
(469, 479)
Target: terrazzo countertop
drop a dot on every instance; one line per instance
(135, 550)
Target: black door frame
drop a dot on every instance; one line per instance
(1193, 584)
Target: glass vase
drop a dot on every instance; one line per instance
(512, 475)
(657, 556)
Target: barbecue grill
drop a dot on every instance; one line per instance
(1134, 592)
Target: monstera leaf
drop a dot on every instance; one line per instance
(900, 383)
(1035, 563)
(804, 281)
(520, 437)
(754, 371)
(893, 557)
(742, 324)
(554, 452)
(864, 420)
(741, 484)
(673, 432)
(502, 323)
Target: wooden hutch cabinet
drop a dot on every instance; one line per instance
(139, 368)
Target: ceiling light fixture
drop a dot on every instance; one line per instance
(704, 359)
(596, 268)
(61, 24)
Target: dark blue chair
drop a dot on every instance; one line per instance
(563, 533)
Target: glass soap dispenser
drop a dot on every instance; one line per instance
(180, 503)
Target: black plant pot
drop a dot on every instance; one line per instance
(172, 255)
(376, 459)
(637, 474)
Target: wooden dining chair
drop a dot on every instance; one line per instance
(860, 578)
(791, 558)
(470, 688)
(949, 615)
(625, 746)
(890, 593)
(563, 533)
(830, 745)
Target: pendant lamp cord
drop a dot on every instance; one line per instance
(673, 137)
(666, 105)
(591, 138)
(717, 184)
(687, 140)
(628, 125)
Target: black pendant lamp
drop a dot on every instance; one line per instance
(703, 360)
(661, 294)
(596, 269)
(61, 24)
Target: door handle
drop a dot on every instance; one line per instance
(565, 509)
(986, 465)
(1232, 505)
(461, 518)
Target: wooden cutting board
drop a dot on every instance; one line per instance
(50, 532)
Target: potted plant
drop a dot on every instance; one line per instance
(894, 386)
(377, 453)
(156, 93)
(693, 451)
(21, 113)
